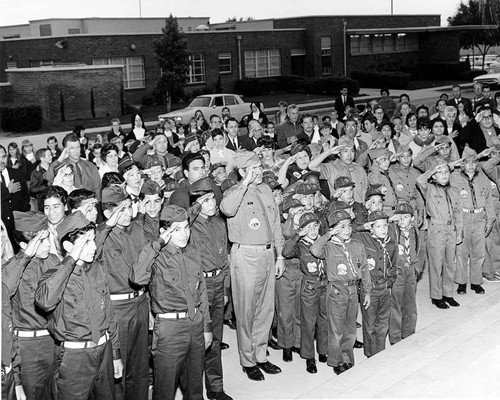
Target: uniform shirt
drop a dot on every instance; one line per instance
(405, 256)
(253, 216)
(297, 247)
(21, 275)
(404, 180)
(333, 170)
(475, 192)
(387, 187)
(148, 225)
(160, 266)
(345, 261)
(10, 356)
(288, 133)
(210, 234)
(78, 296)
(38, 185)
(381, 257)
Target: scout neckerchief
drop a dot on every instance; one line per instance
(386, 174)
(387, 258)
(470, 181)
(449, 202)
(341, 243)
(405, 234)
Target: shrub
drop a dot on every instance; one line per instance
(21, 119)
(391, 80)
(442, 71)
(147, 100)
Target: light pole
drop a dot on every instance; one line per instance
(392, 7)
(140, 9)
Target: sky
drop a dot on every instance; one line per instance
(14, 12)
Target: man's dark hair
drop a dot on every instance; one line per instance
(107, 148)
(40, 153)
(3, 148)
(111, 178)
(229, 120)
(456, 86)
(70, 137)
(214, 116)
(56, 192)
(189, 158)
(78, 196)
(385, 90)
(404, 95)
(75, 233)
(216, 132)
(304, 116)
(423, 123)
(267, 142)
(422, 107)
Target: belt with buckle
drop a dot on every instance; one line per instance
(442, 223)
(126, 296)
(175, 315)
(85, 345)
(473, 211)
(344, 283)
(31, 334)
(211, 274)
(380, 285)
(257, 246)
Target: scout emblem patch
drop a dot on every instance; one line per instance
(342, 269)
(254, 224)
(371, 263)
(399, 187)
(463, 193)
(312, 266)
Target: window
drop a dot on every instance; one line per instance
(298, 58)
(40, 63)
(73, 31)
(196, 68)
(224, 63)
(45, 30)
(388, 43)
(355, 42)
(230, 101)
(383, 43)
(133, 72)
(262, 63)
(326, 55)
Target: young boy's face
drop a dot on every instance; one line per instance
(312, 230)
(442, 176)
(89, 209)
(374, 203)
(383, 163)
(345, 229)
(180, 234)
(347, 195)
(152, 204)
(470, 166)
(404, 220)
(380, 228)
(405, 159)
(54, 209)
(318, 200)
(43, 249)
(278, 196)
(307, 200)
(133, 177)
(89, 249)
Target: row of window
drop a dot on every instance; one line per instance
(383, 43)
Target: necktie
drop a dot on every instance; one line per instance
(450, 203)
(3, 180)
(405, 234)
(387, 258)
(185, 285)
(78, 176)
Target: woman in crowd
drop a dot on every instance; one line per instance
(53, 146)
(138, 128)
(109, 156)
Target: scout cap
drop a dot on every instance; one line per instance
(443, 139)
(346, 141)
(343, 182)
(379, 153)
(244, 158)
(151, 163)
(150, 188)
(270, 179)
(218, 165)
(73, 221)
(469, 154)
(296, 148)
(227, 184)
(30, 221)
(336, 205)
(173, 213)
(314, 147)
(189, 139)
(201, 185)
(405, 148)
(114, 194)
(306, 219)
(336, 216)
(373, 191)
(404, 208)
(311, 173)
(375, 216)
(289, 203)
(306, 188)
(174, 162)
(125, 164)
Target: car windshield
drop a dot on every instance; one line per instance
(200, 102)
(494, 68)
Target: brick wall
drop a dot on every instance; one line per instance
(47, 87)
(439, 47)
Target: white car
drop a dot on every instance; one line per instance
(210, 104)
(492, 78)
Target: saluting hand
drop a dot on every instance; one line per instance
(113, 218)
(79, 244)
(34, 243)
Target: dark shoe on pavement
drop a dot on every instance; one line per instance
(231, 323)
(440, 303)
(269, 368)
(339, 369)
(287, 355)
(358, 325)
(477, 288)
(296, 349)
(253, 373)
(462, 288)
(358, 344)
(348, 366)
(224, 346)
(273, 344)
(322, 358)
(218, 396)
(311, 366)
(451, 301)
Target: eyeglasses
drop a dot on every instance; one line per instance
(69, 174)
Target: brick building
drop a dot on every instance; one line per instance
(309, 46)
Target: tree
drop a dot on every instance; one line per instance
(478, 12)
(241, 19)
(173, 57)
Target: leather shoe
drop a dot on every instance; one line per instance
(440, 303)
(477, 288)
(311, 366)
(231, 323)
(322, 358)
(273, 344)
(451, 301)
(224, 346)
(358, 344)
(339, 369)
(348, 366)
(253, 373)
(287, 355)
(269, 368)
(462, 288)
(296, 349)
(218, 396)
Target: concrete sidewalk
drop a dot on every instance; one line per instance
(416, 96)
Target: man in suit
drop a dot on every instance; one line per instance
(457, 98)
(342, 102)
(15, 196)
(481, 132)
(235, 142)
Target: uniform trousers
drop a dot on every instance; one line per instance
(441, 246)
(8, 386)
(403, 320)
(81, 373)
(472, 251)
(342, 308)
(492, 260)
(313, 316)
(213, 361)
(253, 279)
(288, 289)
(376, 321)
(133, 320)
(178, 356)
(38, 356)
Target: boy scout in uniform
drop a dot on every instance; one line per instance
(182, 330)
(313, 315)
(76, 294)
(380, 177)
(255, 231)
(209, 234)
(345, 264)
(478, 216)
(21, 275)
(444, 207)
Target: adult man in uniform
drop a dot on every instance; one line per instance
(255, 231)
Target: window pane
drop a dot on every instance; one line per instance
(326, 42)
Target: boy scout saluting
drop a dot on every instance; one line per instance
(255, 230)
(82, 319)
